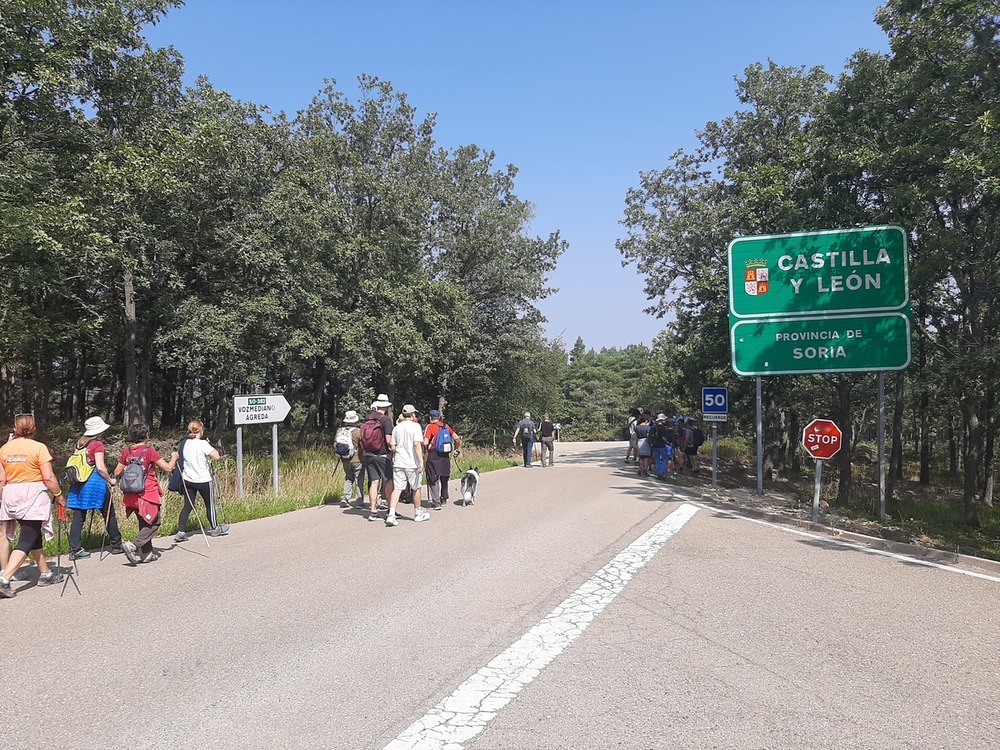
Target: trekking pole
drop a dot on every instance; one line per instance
(322, 499)
(60, 526)
(217, 502)
(107, 519)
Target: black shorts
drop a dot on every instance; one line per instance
(378, 467)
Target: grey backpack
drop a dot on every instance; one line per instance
(133, 478)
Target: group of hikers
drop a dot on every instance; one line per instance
(29, 485)
(665, 445)
(394, 457)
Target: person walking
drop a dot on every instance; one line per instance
(145, 503)
(632, 452)
(407, 464)
(375, 440)
(94, 494)
(28, 487)
(642, 444)
(547, 432)
(525, 430)
(658, 441)
(193, 455)
(441, 443)
(347, 445)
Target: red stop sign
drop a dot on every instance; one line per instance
(822, 438)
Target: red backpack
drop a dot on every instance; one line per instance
(372, 437)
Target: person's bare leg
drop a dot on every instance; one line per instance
(373, 488)
(394, 500)
(15, 561)
(43, 566)
(416, 500)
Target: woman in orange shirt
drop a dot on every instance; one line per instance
(27, 480)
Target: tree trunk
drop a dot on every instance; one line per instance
(972, 456)
(133, 412)
(952, 451)
(895, 469)
(844, 421)
(795, 449)
(989, 451)
(442, 395)
(319, 384)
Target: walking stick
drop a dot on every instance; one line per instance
(60, 526)
(107, 519)
(217, 502)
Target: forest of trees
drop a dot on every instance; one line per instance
(163, 247)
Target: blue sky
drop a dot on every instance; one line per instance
(580, 96)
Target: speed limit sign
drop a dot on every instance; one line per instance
(714, 404)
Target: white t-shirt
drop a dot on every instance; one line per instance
(196, 453)
(404, 435)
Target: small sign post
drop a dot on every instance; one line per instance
(715, 409)
(270, 408)
(822, 440)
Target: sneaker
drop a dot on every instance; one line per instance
(391, 521)
(374, 516)
(151, 556)
(214, 532)
(116, 549)
(6, 592)
(80, 554)
(345, 503)
(47, 579)
(423, 515)
(181, 536)
(130, 552)
(435, 505)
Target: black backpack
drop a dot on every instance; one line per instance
(699, 437)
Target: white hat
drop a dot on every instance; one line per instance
(94, 426)
(381, 401)
(409, 409)
(351, 417)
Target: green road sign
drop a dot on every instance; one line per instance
(805, 345)
(819, 273)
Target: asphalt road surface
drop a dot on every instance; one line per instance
(577, 606)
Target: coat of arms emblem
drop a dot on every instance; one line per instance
(755, 278)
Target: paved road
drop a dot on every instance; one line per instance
(318, 629)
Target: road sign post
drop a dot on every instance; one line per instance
(822, 440)
(269, 408)
(715, 409)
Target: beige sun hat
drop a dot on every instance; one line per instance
(381, 401)
(351, 417)
(94, 426)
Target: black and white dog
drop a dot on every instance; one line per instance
(470, 485)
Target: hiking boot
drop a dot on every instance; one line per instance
(181, 536)
(80, 554)
(47, 579)
(151, 556)
(130, 552)
(6, 592)
(422, 515)
(116, 549)
(391, 521)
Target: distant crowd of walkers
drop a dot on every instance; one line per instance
(661, 444)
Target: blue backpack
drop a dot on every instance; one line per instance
(443, 442)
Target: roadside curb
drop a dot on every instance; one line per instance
(886, 545)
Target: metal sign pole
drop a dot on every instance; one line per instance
(239, 461)
(819, 479)
(881, 445)
(715, 454)
(274, 452)
(760, 439)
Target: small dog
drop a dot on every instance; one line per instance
(470, 485)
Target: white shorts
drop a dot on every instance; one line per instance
(402, 478)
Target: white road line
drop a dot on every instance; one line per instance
(467, 711)
(850, 545)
